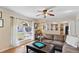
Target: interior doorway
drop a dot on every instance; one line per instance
(66, 30)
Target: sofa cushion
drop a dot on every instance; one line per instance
(58, 43)
(48, 36)
(72, 40)
(69, 49)
(59, 38)
(47, 41)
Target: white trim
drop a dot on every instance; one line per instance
(5, 49)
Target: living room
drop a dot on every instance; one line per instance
(54, 26)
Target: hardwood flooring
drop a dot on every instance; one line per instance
(20, 49)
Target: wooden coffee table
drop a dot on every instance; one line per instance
(49, 48)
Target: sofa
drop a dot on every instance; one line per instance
(57, 40)
(61, 44)
(69, 49)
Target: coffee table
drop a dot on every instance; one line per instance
(49, 48)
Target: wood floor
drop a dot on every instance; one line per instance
(20, 49)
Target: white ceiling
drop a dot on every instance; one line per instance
(59, 11)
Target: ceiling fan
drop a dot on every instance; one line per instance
(46, 12)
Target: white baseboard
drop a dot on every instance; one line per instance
(5, 49)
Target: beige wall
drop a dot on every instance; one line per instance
(5, 32)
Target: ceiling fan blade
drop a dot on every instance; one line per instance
(50, 11)
(39, 14)
(50, 14)
(49, 7)
(40, 11)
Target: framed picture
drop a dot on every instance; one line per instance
(35, 25)
(0, 14)
(1, 23)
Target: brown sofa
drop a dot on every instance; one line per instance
(57, 40)
(60, 44)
